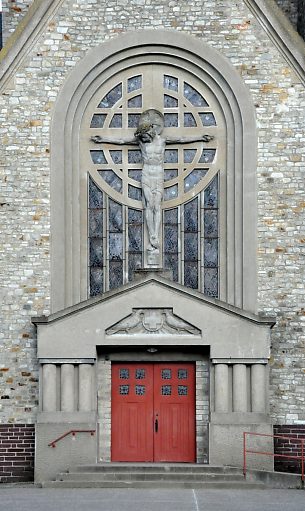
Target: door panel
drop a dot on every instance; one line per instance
(132, 412)
(174, 408)
(153, 412)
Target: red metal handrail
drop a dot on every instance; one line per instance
(251, 451)
(73, 433)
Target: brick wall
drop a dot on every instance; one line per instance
(288, 447)
(17, 443)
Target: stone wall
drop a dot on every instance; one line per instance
(25, 117)
(17, 444)
(13, 12)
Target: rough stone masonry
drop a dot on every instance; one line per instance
(26, 107)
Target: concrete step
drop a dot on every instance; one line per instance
(154, 467)
(155, 484)
(148, 476)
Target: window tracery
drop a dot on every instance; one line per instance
(190, 201)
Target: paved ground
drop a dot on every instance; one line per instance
(35, 499)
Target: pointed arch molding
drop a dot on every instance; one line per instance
(238, 196)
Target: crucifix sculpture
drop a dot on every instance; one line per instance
(152, 145)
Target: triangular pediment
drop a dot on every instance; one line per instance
(152, 311)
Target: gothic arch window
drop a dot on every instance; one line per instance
(116, 229)
(197, 89)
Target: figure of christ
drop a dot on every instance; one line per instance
(152, 144)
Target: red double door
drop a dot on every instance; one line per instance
(153, 412)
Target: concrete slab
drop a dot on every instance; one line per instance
(29, 498)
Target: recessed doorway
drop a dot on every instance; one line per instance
(153, 412)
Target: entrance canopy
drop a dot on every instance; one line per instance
(153, 311)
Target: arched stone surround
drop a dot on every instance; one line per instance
(238, 188)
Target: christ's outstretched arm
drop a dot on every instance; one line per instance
(189, 140)
(116, 141)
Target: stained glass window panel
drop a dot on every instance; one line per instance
(115, 274)
(116, 246)
(190, 246)
(182, 390)
(211, 194)
(124, 390)
(171, 216)
(96, 251)
(170, 238)
(170, 174)
(211, 252)
(124, 374)
(171, 120)
(112, 97)
(170, 102)
(135, 216)
(207, 119)
(135, 102)
(171, 262)
(170, 82)
(134, 83)
(171, 192)
(194, 178)
(135, 261)
(166, 390)
(134, 192)
(191, 274)
(211, 282)
(112, 179)
(116, 121)
(189, 155)
(211, 223)
(140, 390)
(95, 222)
(182, 374)
(166, 374)
(133, 120)
(116, 156)
(98, 121)
(140, 374)
(134, 156)
(115, 216)
(135, 238)
(194, 97)
(135, 174)
(189, 120)
(95, 195)
(207, 156)
(98, 157)
(191, 216)
(171, 156)
(96, 281)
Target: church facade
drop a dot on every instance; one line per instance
(152, 235)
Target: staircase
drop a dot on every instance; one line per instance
(152, 475)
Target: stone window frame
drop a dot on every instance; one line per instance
(150, 83)
(238, 219)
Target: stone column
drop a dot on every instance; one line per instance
(49, 388)
(85, 388)
(67, 388)
(239, 388)
(221, 388)
(258, 388)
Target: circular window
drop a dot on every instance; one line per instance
(189, 109)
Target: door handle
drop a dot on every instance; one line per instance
(156, 425)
